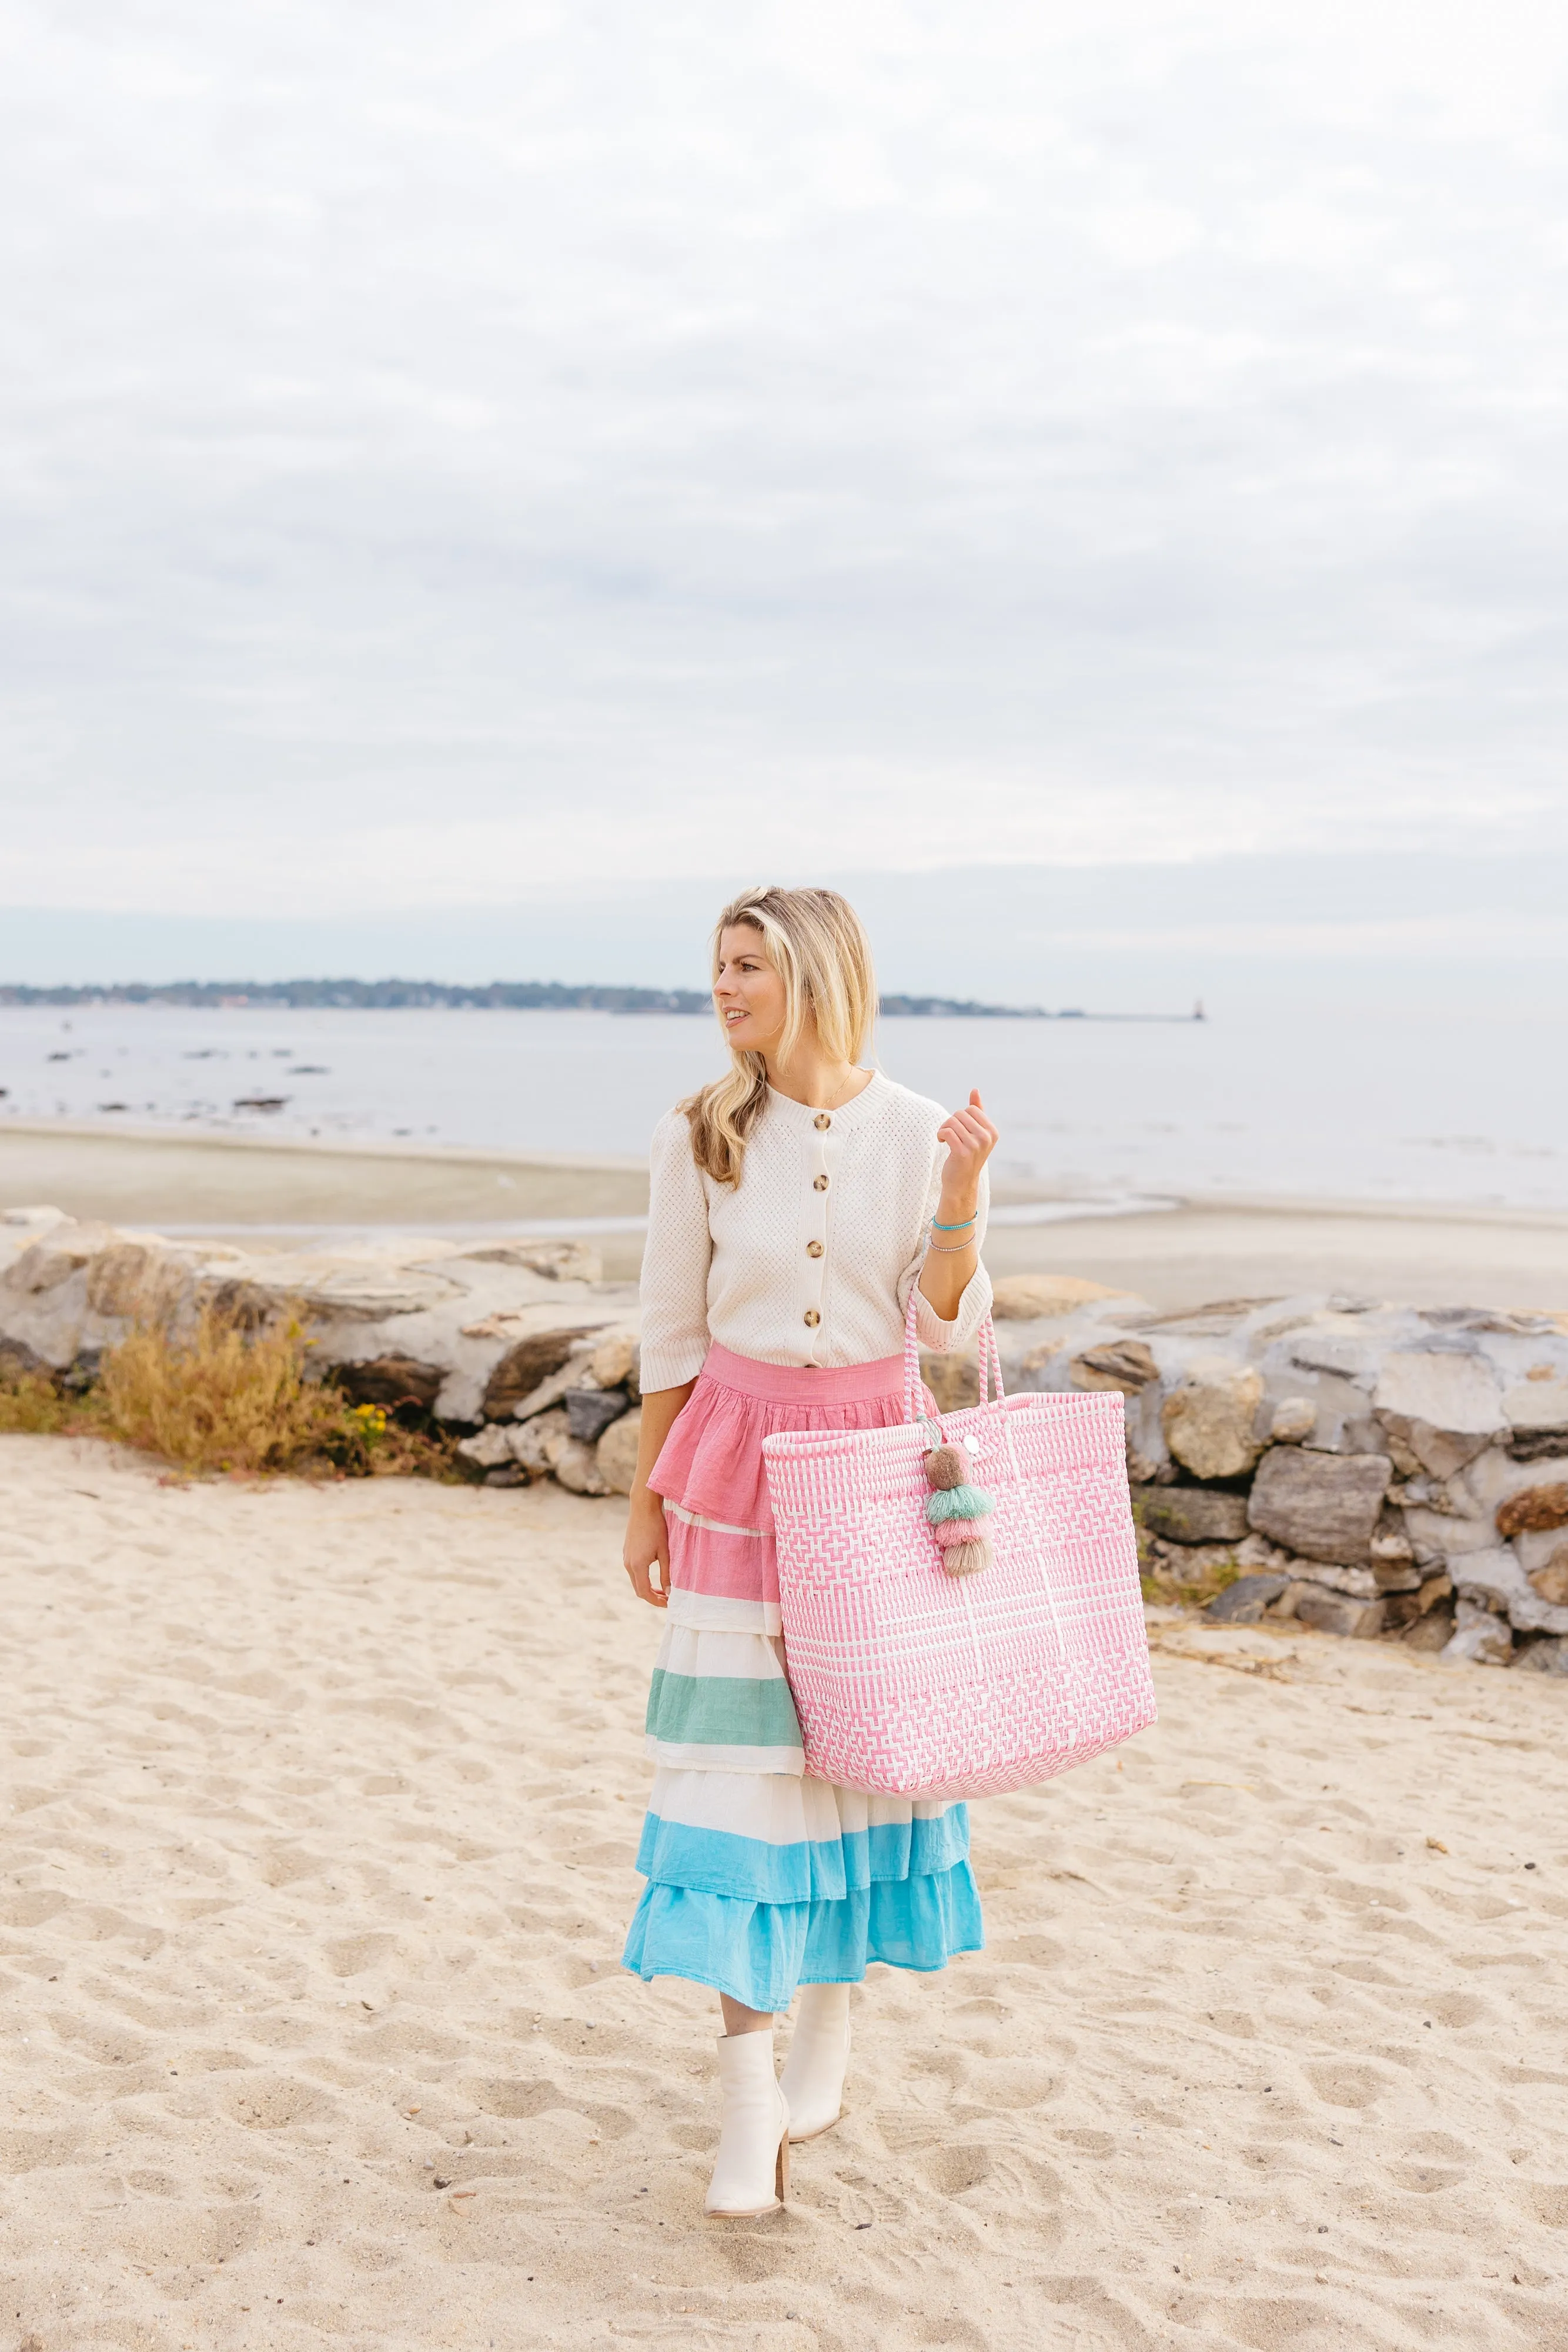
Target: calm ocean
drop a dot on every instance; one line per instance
(1290, 1104)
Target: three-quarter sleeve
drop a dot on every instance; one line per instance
(676, 1262)
(975, 1301)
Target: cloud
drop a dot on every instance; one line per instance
(459, 457)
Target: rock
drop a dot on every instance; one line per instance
(1447, 1389)
(1494, 1580)
(487, 1447)
(615, 1360)
(1142, 1468)
(510, 1474)
(1193, 1564)
(577, 1467)
(18, 1361)
(617, 1453)
(1552, 1580)
(1195, 1515)
(1294, 1419)
(590, 1411)
(1124, 1364)
(59, 1253)
(1337, 1612)
(953, 1377)
(1478, 1639)
(1355, 1584)
(1028, 1297)
(1547, 1657)
(556, 1261)
(1535, 1403)
(1209, 1421)
(524, 1367)
(1539, 1445)
(1535, 1508)
(1323, 1505)
(1243, 1602)
(540, 1443)
(391, 1380)
(1431, 1633)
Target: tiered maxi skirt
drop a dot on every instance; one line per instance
(759, 1877)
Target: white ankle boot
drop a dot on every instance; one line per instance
(818, 2059)
(751, 2174)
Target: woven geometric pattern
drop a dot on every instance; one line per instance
(906, 1678)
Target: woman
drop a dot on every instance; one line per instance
(796, 1203)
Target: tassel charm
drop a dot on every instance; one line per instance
(956, 1513)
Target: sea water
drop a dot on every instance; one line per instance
(1301, 1104)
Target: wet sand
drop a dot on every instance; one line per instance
(314, 1868)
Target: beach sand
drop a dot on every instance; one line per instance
(1176, 1259)
(315, 1868)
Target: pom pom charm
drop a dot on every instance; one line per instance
(946, 1466)
(948, 1532)
(958, 1503)
(971, 1558)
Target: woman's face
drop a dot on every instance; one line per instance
(748, 993)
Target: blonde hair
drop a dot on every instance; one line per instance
(817, 944)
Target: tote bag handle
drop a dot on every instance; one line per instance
(991, 1362)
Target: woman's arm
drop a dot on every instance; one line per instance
(647, 1539)
(954, 1258)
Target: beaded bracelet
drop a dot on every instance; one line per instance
(949, 1249)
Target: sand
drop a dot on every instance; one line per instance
(316, 1863)
(1178, 1259)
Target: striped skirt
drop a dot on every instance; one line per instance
(758, 1877)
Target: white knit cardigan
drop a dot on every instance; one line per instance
(811, 1257)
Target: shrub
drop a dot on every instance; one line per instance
(229, 1399)
(32, 1406)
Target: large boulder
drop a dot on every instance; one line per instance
(1125, 1364)
(1030, 1297)
(1439, 1408)
(1323, 1505)
(1209, 1422)
(527, 1365)
(391, 1380)
(1337, 1612)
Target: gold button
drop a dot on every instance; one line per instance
(818, 1183)
(821, 1119)
(812, 1318)
(813, 1249)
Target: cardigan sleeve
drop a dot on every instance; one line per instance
(975, 1301)
(676, 1262)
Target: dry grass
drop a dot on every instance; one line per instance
(227, 1399)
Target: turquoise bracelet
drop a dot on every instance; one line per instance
(953, 1229)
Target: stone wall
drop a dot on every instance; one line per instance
(1371, 1470)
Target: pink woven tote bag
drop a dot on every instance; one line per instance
(909, 1680)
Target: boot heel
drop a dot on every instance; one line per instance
(781, 2170)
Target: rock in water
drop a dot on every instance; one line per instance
(1325, 1505)
(1209, 1421)
(1195, 1515)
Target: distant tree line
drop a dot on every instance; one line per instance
(503, 996)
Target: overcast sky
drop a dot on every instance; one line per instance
(470, 457)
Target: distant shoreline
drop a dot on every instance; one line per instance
(499, 996)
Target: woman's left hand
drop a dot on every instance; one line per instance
(970, 1140)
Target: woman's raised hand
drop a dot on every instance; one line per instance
(970, 1140)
